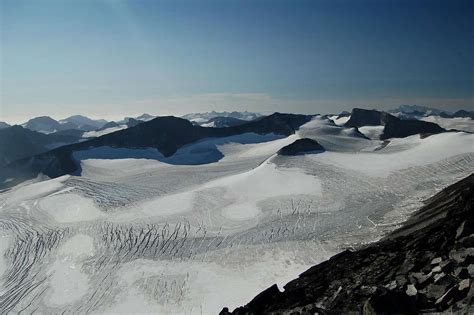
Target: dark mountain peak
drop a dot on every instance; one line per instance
(292, 121)
(42, 118)
(16, 128)
(17, 143)
(145, 117)
(82, 122)
(165, 133)
(393, 126)
(302, 146)
(43, 124)
(368, 117)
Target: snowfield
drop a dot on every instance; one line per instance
(95, 133)
(212, 225)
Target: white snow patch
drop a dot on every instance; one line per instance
(68, 283)
(402, 153)
(372, 132)
(4, 244)
(333, 138)
(212, 124)
(207, 286)
(240, 194)
(339, 121)
(36, 190)
(69, 207)
(95, 133)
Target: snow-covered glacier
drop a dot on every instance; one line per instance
(212, 225)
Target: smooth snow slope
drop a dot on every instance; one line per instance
(214, 224)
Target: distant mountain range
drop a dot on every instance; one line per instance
(46, 124)
(416, 111)
(82, 123)
(221, 122)
(52, 146)
(206, 118)
(459, 114)
(167, 134)
(413, 109)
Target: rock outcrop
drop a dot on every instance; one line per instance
(393, 126)
(425, 266)
(302, 146)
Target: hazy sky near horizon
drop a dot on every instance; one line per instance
(112, 58)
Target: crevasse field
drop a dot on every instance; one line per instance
(214, 224)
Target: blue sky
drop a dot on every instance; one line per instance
(110, 58)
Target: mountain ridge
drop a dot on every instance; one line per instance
(165, 133)
(393, 126)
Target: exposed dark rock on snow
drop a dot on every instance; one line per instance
(425, 266)
(302, 146)
(393, 126)
(167, 134)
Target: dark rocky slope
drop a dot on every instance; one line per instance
(110, 124)
(425, 266)
(17, 142)
(302, 146)
(394, 127)
(167, 134)
(3, 125)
